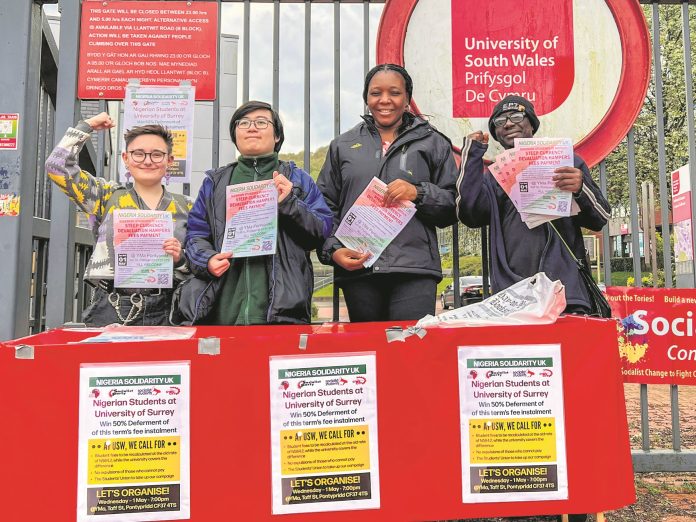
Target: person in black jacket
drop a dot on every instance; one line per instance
(516, 251)
(416, 163)
(274, 288)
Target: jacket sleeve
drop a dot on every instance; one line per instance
(594, 208)
(199, 236)
(473, 199)
(304, 214)
(435, 200)
(88, 192)
(330, 185)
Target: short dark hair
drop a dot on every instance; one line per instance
(254, 105)
(156, 130)
(385, 67)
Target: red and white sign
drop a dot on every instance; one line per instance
(681, 195)
(585, 65)
(511, 49)
(656, 334)
(158, 43)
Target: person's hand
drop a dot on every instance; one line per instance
(399, 190)
(283, 185)
(219, 263)
(101, 121)
(480, 136)
(568, 178)
(172, 246)
(350, 259)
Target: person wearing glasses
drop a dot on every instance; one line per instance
(148, 154)
(274, 288)
(516, 251)
(416, 162)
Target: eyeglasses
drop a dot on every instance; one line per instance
(260, 124)
(156, 156)
(514, 117)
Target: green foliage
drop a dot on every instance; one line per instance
(674, 108)
(316, 160)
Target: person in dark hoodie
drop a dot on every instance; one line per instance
(516, 251)
(276, 288)
(416, 163)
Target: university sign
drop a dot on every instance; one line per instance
(570, 58)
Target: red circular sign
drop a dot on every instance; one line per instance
(630, 93)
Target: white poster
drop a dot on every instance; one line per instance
(251, 219)
(369, 226)
(512, 423)
(134, 446)
(324, 433)
(139, 237)
(172, 107)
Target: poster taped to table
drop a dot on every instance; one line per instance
(512, 423)
(324, 433)
(134, 446)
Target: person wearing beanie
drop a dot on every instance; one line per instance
(516, 251)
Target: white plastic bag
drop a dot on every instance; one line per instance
(535, 300)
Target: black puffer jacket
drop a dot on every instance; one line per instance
(420, 155)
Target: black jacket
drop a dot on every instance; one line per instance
(304, 221)
(517, 252)
(420, 155)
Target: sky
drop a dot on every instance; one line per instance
(291, 102)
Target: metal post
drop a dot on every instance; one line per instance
(633, 190)
(457, 291)
(276, 53)
(307, 80)
(20, 23)
(606, 247)
(337, 111)
(245, 50)
(660, 116)
(61, 251)
(686, 34)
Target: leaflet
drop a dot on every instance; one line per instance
(512, 423)
(141, 261)
(369, 226)
(133, 461)
(251, 219)
(541, 157)
(324, 433)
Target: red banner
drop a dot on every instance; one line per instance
(656, 334)
(418, 409)
(501, 48)
(158, 43)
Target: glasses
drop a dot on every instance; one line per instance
(156, 156)
(514, 117)
(260, 124)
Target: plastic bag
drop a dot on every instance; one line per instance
(535, 300)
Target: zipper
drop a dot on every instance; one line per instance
(198, 302)
(546, 247)
(246, 262)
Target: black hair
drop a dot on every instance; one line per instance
(252, 106)
(385, 67)
(144, 130)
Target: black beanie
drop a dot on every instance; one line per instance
(513, 103)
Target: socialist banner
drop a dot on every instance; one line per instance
(656, 334)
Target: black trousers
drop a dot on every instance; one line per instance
(389, 297)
